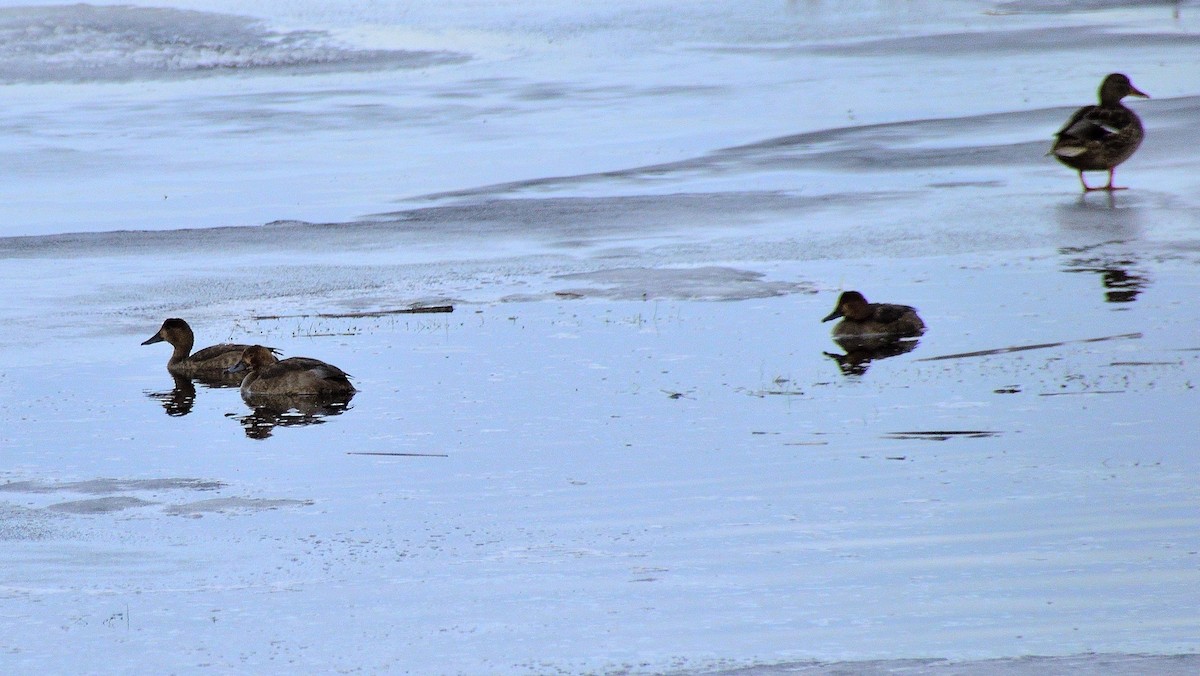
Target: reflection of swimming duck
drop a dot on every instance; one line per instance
(873, 320)
(180, 400)
(1098, 138)
(860, 352)
(294, 376)
(209, 363)
(281, 410)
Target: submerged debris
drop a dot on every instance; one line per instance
(942, 435)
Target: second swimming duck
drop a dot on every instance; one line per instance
(1098, 138)
(295, 376)
(873, 320)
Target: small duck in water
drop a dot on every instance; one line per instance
(267, 375)
(206, 364)
(1098, 138)
(877, 321)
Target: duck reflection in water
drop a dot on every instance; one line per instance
(271, 411)
(1120, 275)
(859, 354)
(290, 392)
(870, 331)
(178, 400)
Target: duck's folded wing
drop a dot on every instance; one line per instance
(1079, 115)
(217, 351)
(888, 313)
(1096, 124)
(329, 372)
(316, 366)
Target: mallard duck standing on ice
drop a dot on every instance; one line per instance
(1098, 138)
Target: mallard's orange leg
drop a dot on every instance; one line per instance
(1110, 187)
(1086, 187)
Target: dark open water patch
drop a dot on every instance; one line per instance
(78, 43)
(232, 505)
(1077, 665)
(988, 140)
(1071, 6)
(108, 486)
(106, 505)
(572, 221)
(699, 283)
(1013, 41)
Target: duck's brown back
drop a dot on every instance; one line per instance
(299, 376)
(210, 361)
(886, 319)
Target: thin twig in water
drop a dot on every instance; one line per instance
(432, 309)
(1021, 348)
(941, 435)
(405, 455)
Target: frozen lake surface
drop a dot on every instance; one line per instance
(632, 446)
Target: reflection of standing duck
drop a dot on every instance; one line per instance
(1120, 272)
(294, 376)
(207, 364)
(1098, 138)
(863, 320)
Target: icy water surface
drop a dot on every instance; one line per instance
(650, 484)
(631, 446)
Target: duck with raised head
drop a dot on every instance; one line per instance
(863, 320)
(1098, 138)
(209, 363)
(267, 375)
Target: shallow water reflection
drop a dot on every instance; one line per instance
(859, 353)
(179, 400)
(1104, 215)
(274, 411)
(1121, 273)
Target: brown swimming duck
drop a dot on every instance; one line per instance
(873, 320)
(209, 363)
(295, 376)
(1098, 138)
